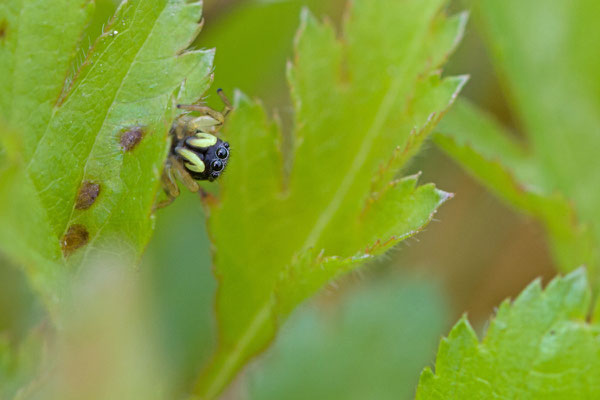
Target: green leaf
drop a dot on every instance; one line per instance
(181, 288)
(106, 347)
(538, 347)
(388, 327)
(21, 363)
(241, 34)
(504, 166)
(91, 143)
(361, 111)
(547, 58)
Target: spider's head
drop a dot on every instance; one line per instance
(204, 156)
(216, 159)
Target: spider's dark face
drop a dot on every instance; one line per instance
(204, 156)
(216, 158)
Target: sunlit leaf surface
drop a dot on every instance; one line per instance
(82, 170)
(538, 347)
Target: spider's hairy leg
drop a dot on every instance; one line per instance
(209, 120)
(228, 107)
(179, 127)
(169, 186)
(184, 176)
(208, 117)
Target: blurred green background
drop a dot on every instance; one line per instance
(476, 253)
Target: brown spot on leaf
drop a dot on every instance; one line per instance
(76, 237)
(130, 137)
(3, 28)
(88, 192)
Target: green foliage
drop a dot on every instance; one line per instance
(503, 165)
(279, 236)
(105, 348)
(539, 347)
(71, 120)
(182, 287)
(546, 53)
(370, 346)
(20, 364)
(243, 32)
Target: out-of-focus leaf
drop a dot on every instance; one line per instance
(539, 347)
(361, 110)
(91, 144)
(21, 333)
(548, 58)
(372, 347)
(254, 39)
(547, 54)
(506, 168)
(106, 348)
(182, 287)
(20, 364)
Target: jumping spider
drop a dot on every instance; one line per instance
(196, 154)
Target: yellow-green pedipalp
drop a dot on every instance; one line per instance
(202, 140)
(193, 162)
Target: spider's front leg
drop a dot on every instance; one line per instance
(169, 182)
(209, 121)
(169, 186)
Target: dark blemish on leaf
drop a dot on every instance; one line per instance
(131, 137)
(3, 27)
(88, 192)
(76, 237)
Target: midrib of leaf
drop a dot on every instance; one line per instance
(261, 317)
(74, 86)
(64, 98)
(71, 73)
(110, 108)
(229, 365)
(382, 114)
(13, 79)
(18, 59)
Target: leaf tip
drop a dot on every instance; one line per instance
(460, 20)
(461, 81)
(533, 290)
(427, 377)
(444, 196)
(462, 328)
(412, 179)
(240, 98)
(463, 18)
(579, 275)
(210, 53)
(573, 290)
(306, 16)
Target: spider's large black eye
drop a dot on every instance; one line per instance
(222, 153)
(217, 165)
